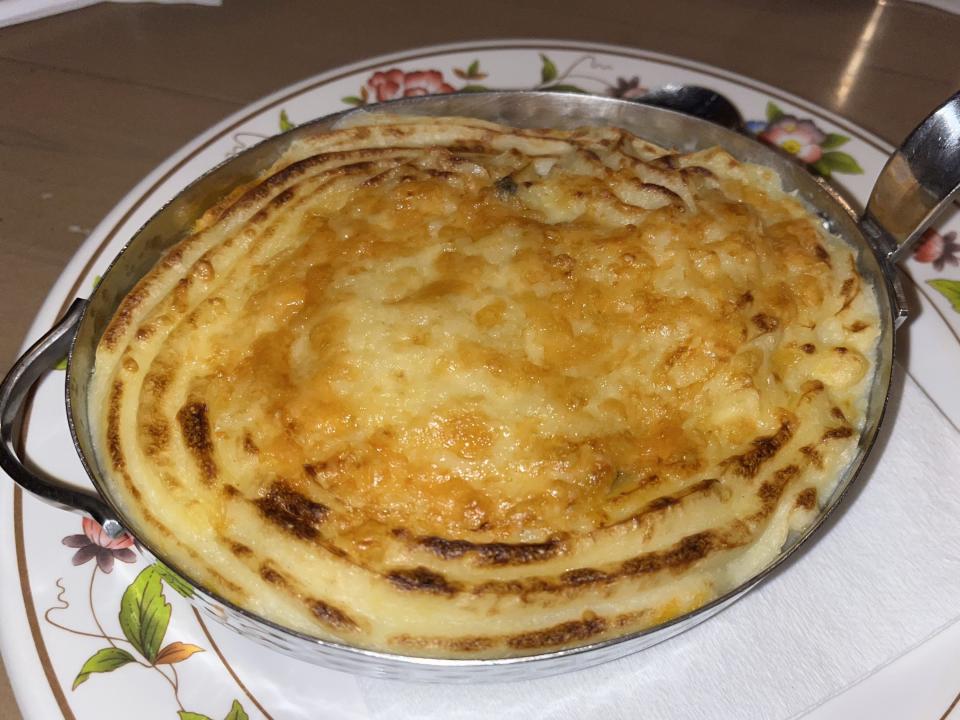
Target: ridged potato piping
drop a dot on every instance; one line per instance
(443, 387)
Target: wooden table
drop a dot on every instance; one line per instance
(94, 99)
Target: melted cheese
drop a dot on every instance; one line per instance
(444, 387)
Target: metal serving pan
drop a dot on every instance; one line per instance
(917, 181)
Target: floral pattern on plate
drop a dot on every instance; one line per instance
(805, 140)
(800, 137)
(144, 616)
(941, 249)
(397, 83)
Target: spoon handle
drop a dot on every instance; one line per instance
(697, 101)
(917, 182)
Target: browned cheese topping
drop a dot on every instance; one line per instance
(449, 388)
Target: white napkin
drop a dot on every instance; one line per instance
(883, 578)
(18, 11)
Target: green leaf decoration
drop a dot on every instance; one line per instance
(566, 88)
(474, 88)
(103, 661)
(774, 113)
(834, 140)
(181, 586)
(236, 712)
(821, 168)
(950, 289)
(352, 100)
(548, 72)
(473, 69)
(840, 162)
(285, 123)
(145, 613)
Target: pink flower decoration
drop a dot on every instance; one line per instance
(798, 137)
(395, 83)
(96, 543)
(937, 249)
(627, 89)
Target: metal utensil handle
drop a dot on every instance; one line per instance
(919, 179)
(14, 390)
(700, 102)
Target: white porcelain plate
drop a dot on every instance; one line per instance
(65, 643)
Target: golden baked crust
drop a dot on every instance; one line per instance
(443, 387)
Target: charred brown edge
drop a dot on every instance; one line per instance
(289, 173)
(291, 511)
(327, 613)
(156, 382)
(566, 633)
(764, 448)
(838, 433)
(497, 553)
(681, 555)
(664, 502)
(583, 576)
(331, 616)
(124, 315)
(770, 491)
(562, 634)
(421, 579)
(272, 576)
(849, 290)
(467, 643)
(675, 558)
(813, 455)
(157, 433)
(807, 498)
(195, 429)
(240, 550)
(114, 446)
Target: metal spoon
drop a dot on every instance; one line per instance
(698, 101)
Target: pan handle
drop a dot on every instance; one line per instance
(14, 391)
(919, 179)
